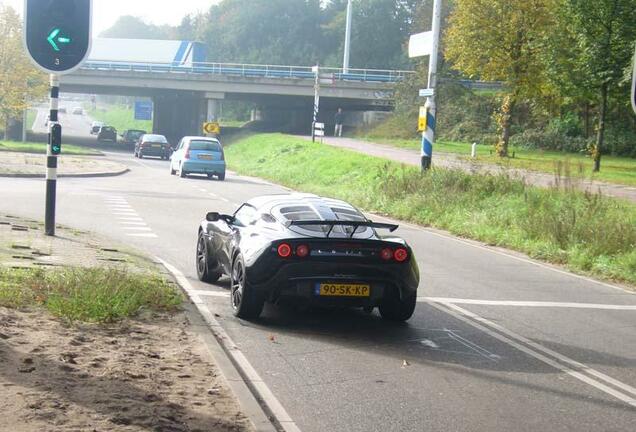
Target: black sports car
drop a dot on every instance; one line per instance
(309, 249)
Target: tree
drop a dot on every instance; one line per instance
(501, 40)
(604, 32)
(20, 81)
(131, 27)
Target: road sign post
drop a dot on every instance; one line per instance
(420, 45)
(316, 71)
(57, 38)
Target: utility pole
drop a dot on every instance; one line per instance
(428, 135)
(347, 46)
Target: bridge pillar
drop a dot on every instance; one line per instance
(177, 114)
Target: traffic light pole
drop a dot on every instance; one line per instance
(51, 160)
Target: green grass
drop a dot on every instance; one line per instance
(621, 170)
(87, 294)
(587, 233)
(40, 148)
(121, 118)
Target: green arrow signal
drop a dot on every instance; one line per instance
(61, 39)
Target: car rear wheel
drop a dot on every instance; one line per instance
(141, 155)
(222, 176)
(172, 171)
(203, 262)
(182, 173)
(246, 303)
(396, 309)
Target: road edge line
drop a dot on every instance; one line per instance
(248, 386)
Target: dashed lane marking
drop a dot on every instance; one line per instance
(147, 235)
(129, 220)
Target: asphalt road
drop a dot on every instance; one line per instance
(497, 342)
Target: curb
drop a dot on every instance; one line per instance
(79, 175)
(210, 331)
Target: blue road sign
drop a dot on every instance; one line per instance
(143, 110)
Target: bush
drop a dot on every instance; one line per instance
(549, 140)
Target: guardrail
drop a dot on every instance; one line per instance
(255, 71)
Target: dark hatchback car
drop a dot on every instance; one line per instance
(131, 136)
(153, 145)
(307, 249)
(107, 133)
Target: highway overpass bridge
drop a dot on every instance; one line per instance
(186, 95)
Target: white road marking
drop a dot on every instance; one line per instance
(148, 235)
(139, 228)
(429, 343)
(134, 223)
(527, 303)
(138, 219)
(212, 194)
(211, 293)
(541, 353)
(248, 370)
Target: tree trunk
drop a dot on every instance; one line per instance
(505, 118)
(586, 119)
(598, 148)
(6, 127)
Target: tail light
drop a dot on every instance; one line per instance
(284, 250)
(222, 156)
(187, 154)
(401, 254)
(302, 251)
(386, 254)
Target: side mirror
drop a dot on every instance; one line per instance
(212, 217)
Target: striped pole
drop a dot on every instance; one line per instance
(316, 70)
(51, 161)
(428, 136)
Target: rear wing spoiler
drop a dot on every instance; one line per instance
(331, 224)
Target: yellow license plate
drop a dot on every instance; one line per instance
(205, 157)
(344, 290)
(156, 145)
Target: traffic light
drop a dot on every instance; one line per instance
(58, 33)
(56, 139)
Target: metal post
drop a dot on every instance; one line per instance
(347, 45)
(24, 124)
(428, 136)
(51, 161)
(316, 70)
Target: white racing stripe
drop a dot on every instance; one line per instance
(541, 353)
(264, 392)
(527, 303)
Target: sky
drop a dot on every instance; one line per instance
(106, 12)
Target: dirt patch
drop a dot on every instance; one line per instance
(14, 163)
(150, 374)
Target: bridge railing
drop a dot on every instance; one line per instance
(254, 70)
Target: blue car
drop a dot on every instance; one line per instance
(198, 155)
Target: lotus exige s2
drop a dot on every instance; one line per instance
(309, 249)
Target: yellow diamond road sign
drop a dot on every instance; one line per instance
(212, 128)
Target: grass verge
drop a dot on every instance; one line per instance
(587, 233)
(87, 294)
(121, 118)
(620, 170)
(40, 148)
